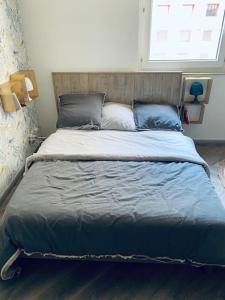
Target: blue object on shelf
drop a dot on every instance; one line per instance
(196, 90)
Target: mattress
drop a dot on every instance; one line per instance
(136, 195)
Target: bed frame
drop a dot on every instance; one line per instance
(156, 87)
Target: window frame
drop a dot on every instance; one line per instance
(144, 64)
(207, 10)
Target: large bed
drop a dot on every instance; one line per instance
(109, 195)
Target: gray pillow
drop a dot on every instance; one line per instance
(80, 111)
(156, 116)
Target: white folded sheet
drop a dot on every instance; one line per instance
(66, 144)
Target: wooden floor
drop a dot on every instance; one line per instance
(71, 280)
(213, 155)
(44, 279)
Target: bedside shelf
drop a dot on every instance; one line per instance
(207, 86)
(195, 112)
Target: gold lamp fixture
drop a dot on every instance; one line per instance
(9, 99)
(20, 90)
(25, 85)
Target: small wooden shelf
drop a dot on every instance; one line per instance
(195, 112)
(207, 86)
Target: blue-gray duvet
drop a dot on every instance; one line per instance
(152, 210)
(129, 209)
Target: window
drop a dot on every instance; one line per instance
(212, 10)
(178, 40)
(207, 35)
(162, 36)
(188, 9)
(185, 36)
(163, 9)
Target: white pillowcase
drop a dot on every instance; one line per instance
(117, 116)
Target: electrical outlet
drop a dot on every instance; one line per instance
(33, 135)
(34, 131)
(32, 138)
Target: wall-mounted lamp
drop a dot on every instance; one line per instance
(9, 100)
(29, 84)
(21, 89)
(199, 87)
(25, 85)
(29, 87)
(196, 90)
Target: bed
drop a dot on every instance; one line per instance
(108, 195)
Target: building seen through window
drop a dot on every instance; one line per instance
(186, 30)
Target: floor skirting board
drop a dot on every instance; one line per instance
(209, 142)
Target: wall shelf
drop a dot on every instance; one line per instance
(195, 112)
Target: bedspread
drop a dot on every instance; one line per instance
(138, 204)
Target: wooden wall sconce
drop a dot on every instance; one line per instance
(8, 99)
(20, 90)
(24, 85)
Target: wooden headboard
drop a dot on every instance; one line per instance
(157, 87)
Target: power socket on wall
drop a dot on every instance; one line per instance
(33, 136)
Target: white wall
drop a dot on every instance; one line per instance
(72, 35)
